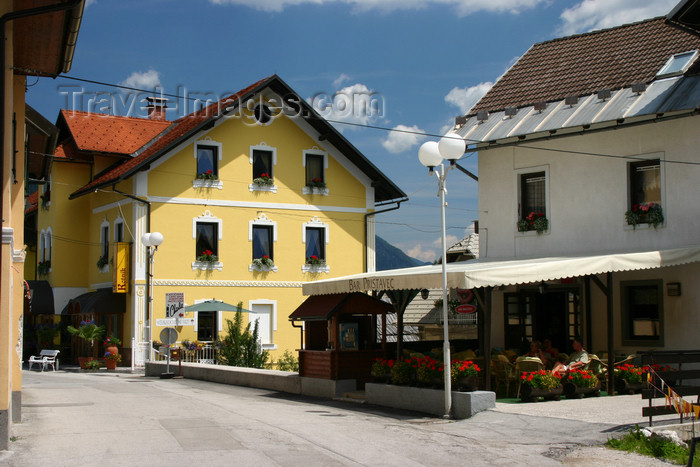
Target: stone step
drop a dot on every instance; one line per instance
(353, 396)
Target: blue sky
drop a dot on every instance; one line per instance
(427, 61)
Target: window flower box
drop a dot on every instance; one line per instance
(315, 187)
(208, 175)
(264, 263)
(44, 267)
(534, 221)
(264, 180)
(208, 256)
(649, 213)
(102, 262)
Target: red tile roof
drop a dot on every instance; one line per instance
(32, 202)
(586, 63)
(179, 129)
(109, 133)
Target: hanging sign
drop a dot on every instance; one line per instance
(465, 309)
(120, 270)
(174, 303)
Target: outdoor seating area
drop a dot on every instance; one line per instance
(46, 358)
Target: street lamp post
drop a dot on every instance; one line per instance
(431, 155)
(151, 241)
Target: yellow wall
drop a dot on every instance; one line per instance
(173, 178)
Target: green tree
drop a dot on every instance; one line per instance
(240, 346)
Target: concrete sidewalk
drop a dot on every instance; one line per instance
(128, 419)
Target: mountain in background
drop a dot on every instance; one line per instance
(390, 257)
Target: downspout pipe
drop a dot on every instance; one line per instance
(148, 229)
(394, 208)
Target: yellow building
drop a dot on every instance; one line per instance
(38, 38)
(253, 195)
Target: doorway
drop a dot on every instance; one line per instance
(531, 315)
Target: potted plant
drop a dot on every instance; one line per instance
(207, 256)
(112, 344)
(91, 365)
(102, 262)
(540, 383)
(429, 371)
(314, 260)
(401, 372)
(316, 183)
(534, 221)
(381, 370)
(650, 213)
(265, 262)
(43, 267)
(111, 360)
(264, 180)
(208, 175)
(90, 332)
(629, 378)
(581, 382)
(465, 375)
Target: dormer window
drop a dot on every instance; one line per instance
(678, 64)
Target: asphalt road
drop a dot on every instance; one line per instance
(76, 419)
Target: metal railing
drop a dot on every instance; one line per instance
(203, 354)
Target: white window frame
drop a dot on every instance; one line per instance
(48, 245)
(315, 223)
(262, 219)
(198, 183)
(104, 236)
(664, 74)
(263, 147)
(547, 199)
(208, 218)
(306, 190)
(273, 319)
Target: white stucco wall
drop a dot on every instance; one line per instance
(588, 194)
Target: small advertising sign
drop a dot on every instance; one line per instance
(120, 270)
(174, 302)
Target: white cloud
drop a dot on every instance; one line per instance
(430, 252)
(462, 7)
(403, 138)
(142, 80)
(588, 15)
(340, 80)
(353, 104)
(465, 98)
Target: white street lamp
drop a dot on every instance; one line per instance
(151, 241)
(431, 155)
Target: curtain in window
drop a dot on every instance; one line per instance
(262, 241)
(645, 178)
(262, 163)
(207, 238)
(315, 243)
(533, 194)
(206, 159)
(314, 167)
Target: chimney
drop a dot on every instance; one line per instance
(156, 108)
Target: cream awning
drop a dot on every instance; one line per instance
(496, 272)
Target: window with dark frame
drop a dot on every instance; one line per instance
(262, 241)
(644, 182)
(119, 232)
(207, 160)
(532, 195)
(207, 326)
(207, 238)
(315, 242)
(104, 250)
(262, 163)
(314, 168)
(642, 312)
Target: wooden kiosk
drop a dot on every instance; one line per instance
(339, 338)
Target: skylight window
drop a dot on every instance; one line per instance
(678, 64)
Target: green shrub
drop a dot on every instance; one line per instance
(288, 362)
(635, 441)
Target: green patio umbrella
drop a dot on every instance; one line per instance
(213, 305)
